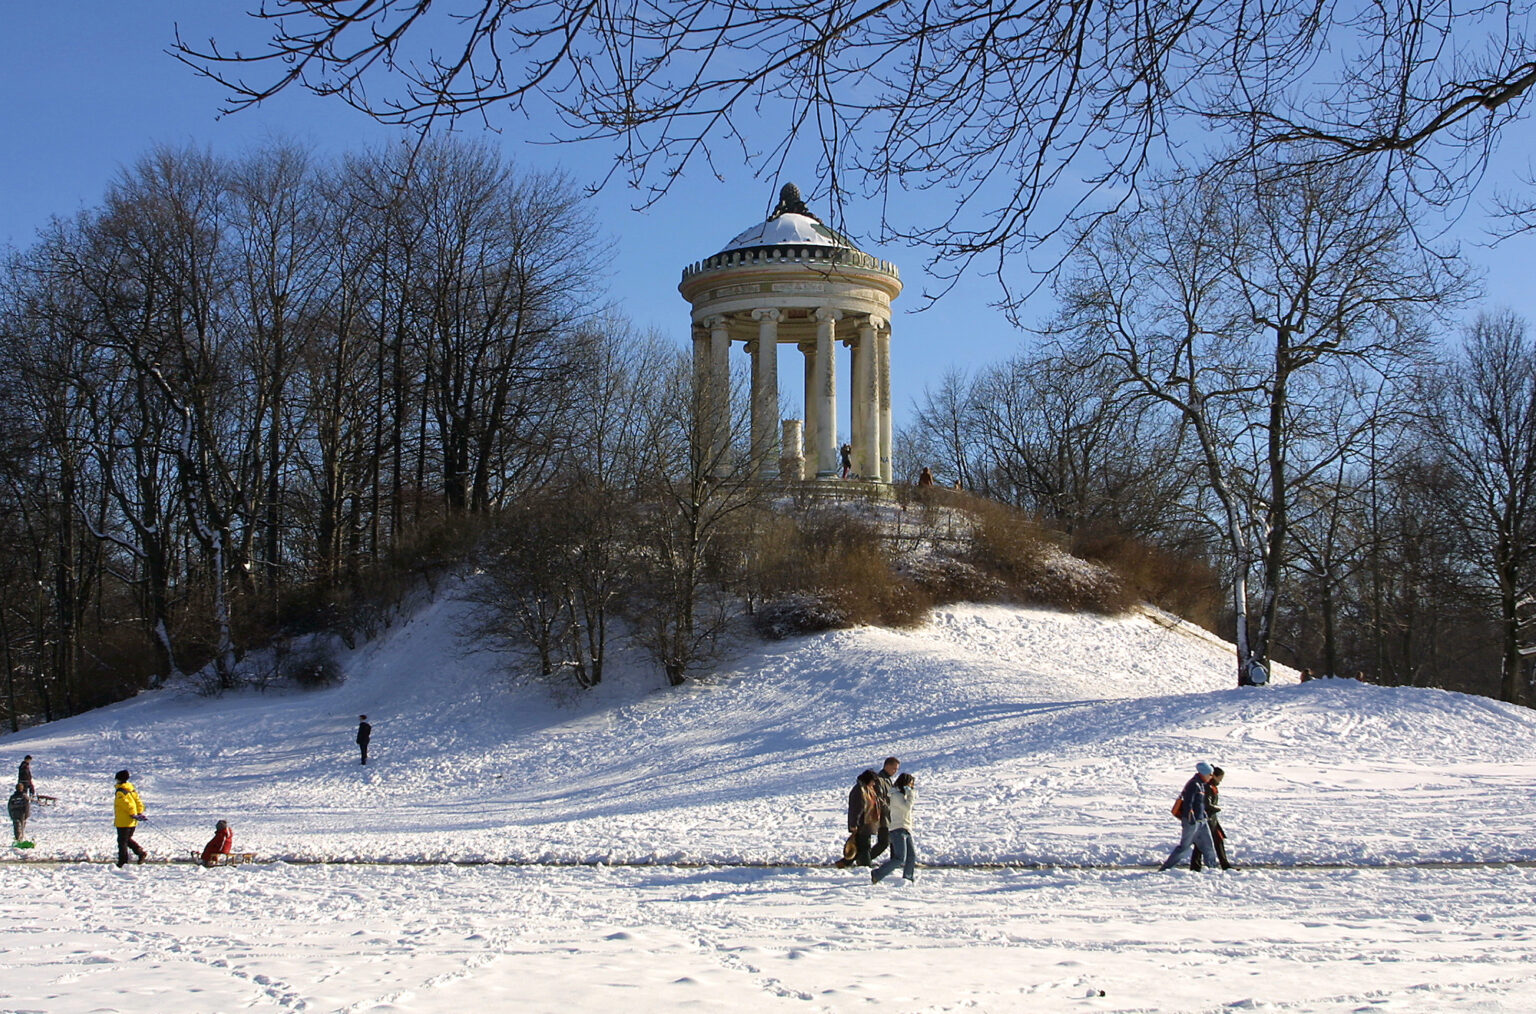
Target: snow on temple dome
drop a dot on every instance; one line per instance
(788, 230)
(791, 224)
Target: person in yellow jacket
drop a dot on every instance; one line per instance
(127, 811)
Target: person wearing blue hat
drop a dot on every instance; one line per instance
(1194, 820)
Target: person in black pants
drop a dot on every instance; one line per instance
(364, 733)
(884, 776)
(863, 819)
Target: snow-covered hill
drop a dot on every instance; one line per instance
(1037, 736)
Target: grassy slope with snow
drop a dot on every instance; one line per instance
(1035, 736)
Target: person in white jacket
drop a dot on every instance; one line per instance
(903, 795)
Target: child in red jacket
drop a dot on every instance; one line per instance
(221, 844)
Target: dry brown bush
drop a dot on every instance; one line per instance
(1032, 563)
(827, 570)
(1181, 583)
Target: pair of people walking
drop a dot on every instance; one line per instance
(1201, 832)
(880, 806)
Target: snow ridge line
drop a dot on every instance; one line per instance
(1414, 864)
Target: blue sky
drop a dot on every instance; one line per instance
(87, 87)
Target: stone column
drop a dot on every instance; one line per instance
(859, 366)
(808, 437)
(718, 401)
(765, 393)
(792, 463)
(866, 401)
(883, 368)
(826, 392)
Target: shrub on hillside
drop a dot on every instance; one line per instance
(947, 579)
(798, 613)
(830, 569)
(312, 668)
(1031, 563)
(1182, 583)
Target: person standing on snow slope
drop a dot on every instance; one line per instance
(1193, 817)
(1212, 808)
(903, 795)
(24, 776)
(883, 794)
(364, 733)
(20, 807)
(127, 810)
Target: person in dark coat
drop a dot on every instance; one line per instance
(883, 779)
(1193, 820)
(24, 776)
(20, 805)
(845, 452)
(1218, 836)
(863, 821)
(364, 733)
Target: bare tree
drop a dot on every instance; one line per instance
(505, 281)
(996, 107)
(1482, 414)
(697, 491)
(1231, 304)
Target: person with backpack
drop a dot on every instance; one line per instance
(1218, 836)
(1193, 819)
(863, 820)
(903, 854)
(20, 807)
(127, 811)
(221, 844)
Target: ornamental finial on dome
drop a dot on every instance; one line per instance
(790, 203)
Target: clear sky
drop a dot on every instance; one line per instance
(87, 87)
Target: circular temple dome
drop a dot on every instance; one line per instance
(789, 229)
(791, 234)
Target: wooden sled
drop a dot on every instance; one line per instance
(227, 858)
(45, 800)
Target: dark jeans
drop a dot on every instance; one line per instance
(882, 841)
(902, 854)
(20, 827)
(363, 746)
(125, 842)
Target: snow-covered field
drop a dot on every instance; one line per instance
(639, 848)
